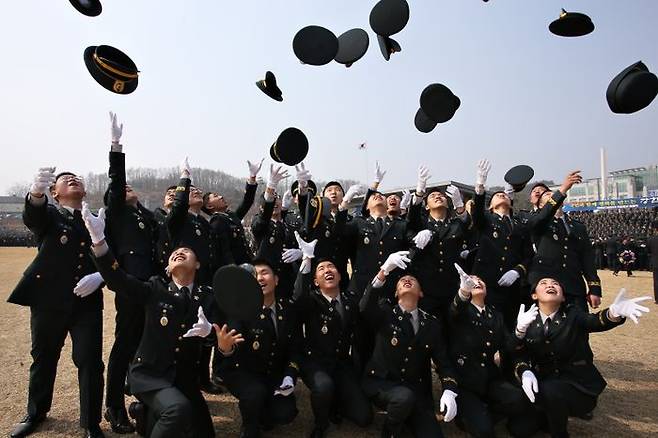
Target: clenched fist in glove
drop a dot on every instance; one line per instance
(422, 239)
(88, 284)
(529, 385)
(448, 405)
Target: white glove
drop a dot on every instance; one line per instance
(422, 238)
(529, 385)
(185, 170)
(464, 254)
(423, 177)
(628, 307)
(355, 190)
(88, 284)
(291, 255)
(95, 224)
(254, 168)
(307, 248)
(286, 202)
(448, 404)
(201, 328)
(117, 129)
(405, 202)
(454, 194)
(276, 175)
(482, 171)
(509, 190)
(525, 318)
(466, 282)
(287, 387)
(508, 278)
(396, 260)
(379, 173)
(303, 175)
(43, 180)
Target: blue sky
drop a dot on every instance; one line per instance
(527, 96)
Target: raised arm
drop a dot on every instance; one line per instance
(175, 220)
(116, 198)
(539, 221)
(35, 211)
(250, 190)
(477, 214)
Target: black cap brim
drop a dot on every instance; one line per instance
(315, 45)
(312, 187)
(352, 45)
(389, 17)
(91, 8)
(269, 87)
(572, 24)
(238, 294)
(519, 176)
(104, 79)
(423, 123)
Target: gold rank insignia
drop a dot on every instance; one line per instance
(366, 240)
(255, 345)
(141, 225)
(164, 321)
(324, 330)
(115, 265)
(460, 361)
(262, 316)
(64, 240)
(394, 341)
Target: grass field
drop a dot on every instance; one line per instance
(627, 357)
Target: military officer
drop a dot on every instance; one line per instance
(225, 222)
(164, 373)
(272, 234)
(329, 316)
(440, 240)
(131, 233)
(477, 332)
(563, 248)
(398, 378)
(262, 371)
(59, 306)
(558, 370)
(505, 250)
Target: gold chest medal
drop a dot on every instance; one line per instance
(324, 330)
(272, 239)
(555, 236)
(141, 225)
(198, 232)
(255, 345)
(495, 234)
(366, 240)
(164, 321)
(394, 341)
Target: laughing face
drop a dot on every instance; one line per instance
(408, 286)
(480, 288)
(334, 194)
(548, 290)
(196, 197)
(267, 279)
(500, 199)
(393, 204)
(326, 275)
(183, 260)
(170, 195)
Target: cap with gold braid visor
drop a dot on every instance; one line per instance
(112, 68)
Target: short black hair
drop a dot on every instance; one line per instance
(264, 261)
(318, 260)
(171, 188)
(539, 184)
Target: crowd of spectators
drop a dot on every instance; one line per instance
(13, 232)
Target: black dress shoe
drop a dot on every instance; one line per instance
(27, 426)
(137, 412)
(94, 432)
(118, 419)
(319, 432)
(211, 388)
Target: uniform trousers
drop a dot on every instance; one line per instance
(127, 334)
(480, 412)
(336, 390)
(257, 402)
(404, 405)
(49, 329)
(559, 400)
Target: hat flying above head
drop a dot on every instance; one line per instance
(388, 46)
(290, 148)
(315, 45)
(518, 176)
(423, 123)
(112, 68)
(352, 45)
(269, 87)
(571, 24)
(238, 294)
(389, 17)
(632, 90)
(90, 8)
(439, 103)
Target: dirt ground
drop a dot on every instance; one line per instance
(627, 357)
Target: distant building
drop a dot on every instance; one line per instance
(11, 204)
(637, 182)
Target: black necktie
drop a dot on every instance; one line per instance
(547, 325)
(270, 319)
(407, 324)
(380, 226)
(508, 224)
(338, 308)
